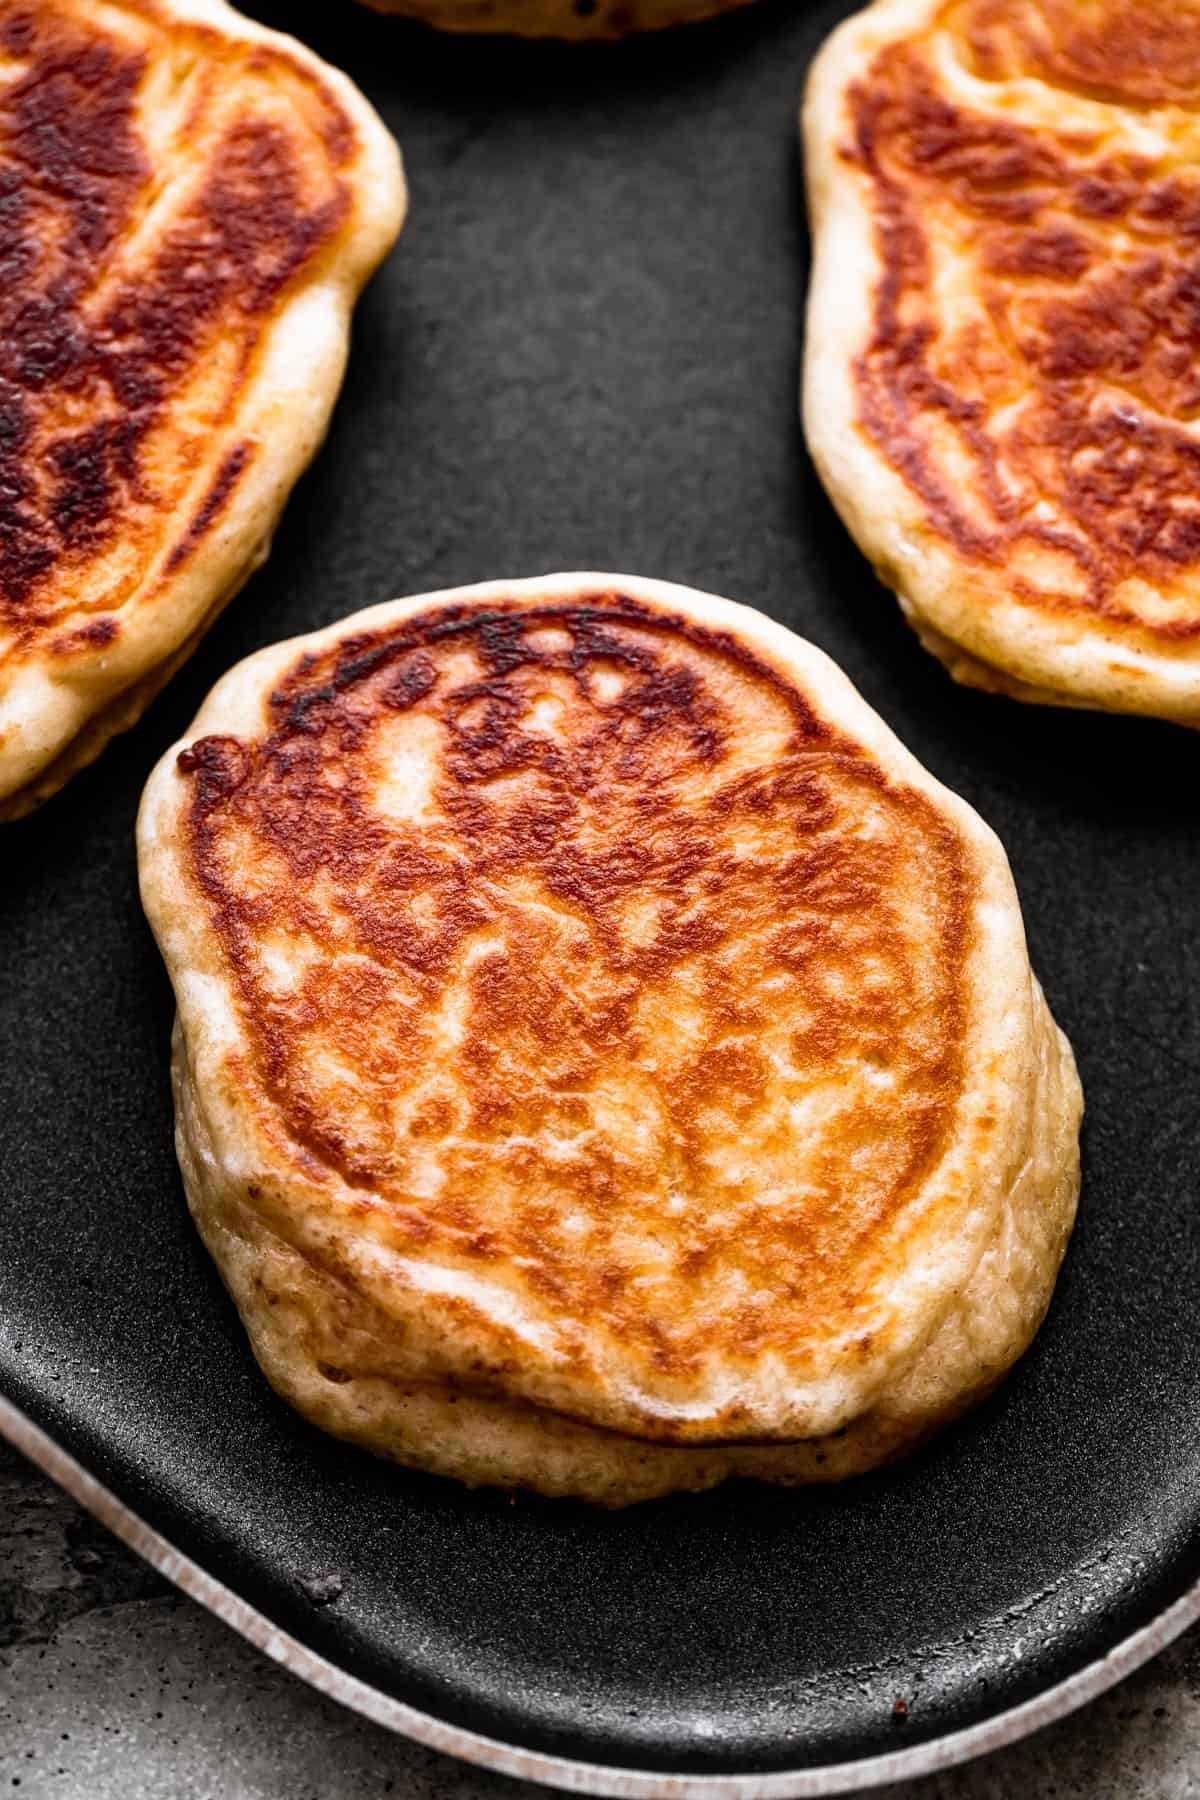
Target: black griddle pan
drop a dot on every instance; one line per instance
(584, 354)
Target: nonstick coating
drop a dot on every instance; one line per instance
(584, 354)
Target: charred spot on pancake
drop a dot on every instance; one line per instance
(1043, 416)
(563, 974)
(233, 466)
(163, 187)
(96, 634)
(219, 763)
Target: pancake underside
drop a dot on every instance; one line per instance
(989, 678)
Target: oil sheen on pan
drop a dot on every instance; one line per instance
(189, 205)
(1002, 382)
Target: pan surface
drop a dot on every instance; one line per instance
(584, 354)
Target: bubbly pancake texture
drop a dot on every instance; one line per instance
(188, 206)
(1002, 384)
(605, 1061)
(577, 19)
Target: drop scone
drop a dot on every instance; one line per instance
(578, 19)
(1002, 382)
(190, 205)
(606, 1062)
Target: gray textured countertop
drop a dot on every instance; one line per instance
(115, 1687)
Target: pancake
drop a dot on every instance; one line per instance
(606, 1061)
(1002, 384)
(578, 19)
(191, 205)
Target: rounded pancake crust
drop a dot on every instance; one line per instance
(596, 1031)
(576, 19)
(1000, 384)
(198, 202)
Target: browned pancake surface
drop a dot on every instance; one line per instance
(1041, 402)
(575, 942)
(163, 186)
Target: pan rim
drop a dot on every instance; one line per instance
(569, 1774)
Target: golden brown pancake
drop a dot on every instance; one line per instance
(189, 207)
(1003, 369)
(605, 1060)
(577, 19)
